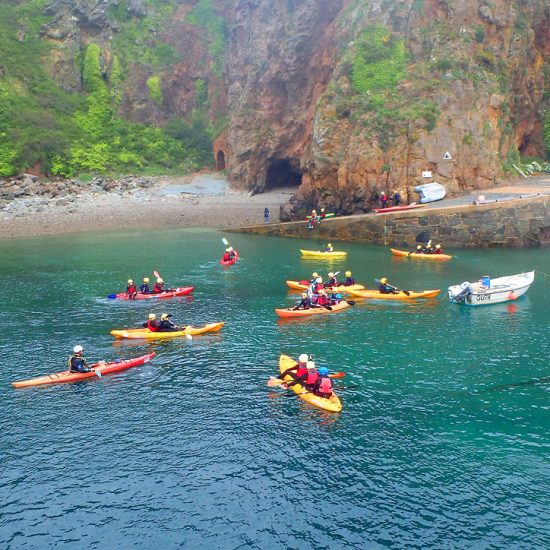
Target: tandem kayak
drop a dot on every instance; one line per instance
(331, 215)
(172, 293)
(332, 404)
(412, 295)
(319, 254)
(67, 376)
(416, 256)
(290, 313)
(230, 262)
(146, 334)
(389, 209)
(297, 285)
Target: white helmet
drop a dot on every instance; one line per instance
(310, 365)
(78, 349)
(331, 274)
(303, 358)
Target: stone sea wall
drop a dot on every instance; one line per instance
(517, 223)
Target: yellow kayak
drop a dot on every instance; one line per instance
(333, 404)
(322, 255)
(146, 334)
(295, 285)
(412, 295)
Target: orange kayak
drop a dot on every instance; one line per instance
(416, 256)
(67, 376)
(412, 295)
(289, 312)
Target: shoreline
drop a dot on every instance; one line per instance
(201, 200)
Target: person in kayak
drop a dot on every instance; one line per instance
(314, 276)
(396, 198)
(76, 362)
(350, 281)
(312, 376)
(322, 299)
(438, 249)
(419, 249)
(316, 286)
(383, 199)
(298, 371)
(334, 298)
(144, 288)
(329, 248)
(131, 290)
(323, 214)
(304, 303)
(166, 324)
(385, 288)
(331, 281)
(158, 286)
(152, 324)
(323, 386)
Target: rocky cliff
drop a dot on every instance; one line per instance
(344, 98)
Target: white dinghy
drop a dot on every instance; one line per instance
(491, 291)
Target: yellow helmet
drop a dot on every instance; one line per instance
(152, 316)
(145, 279)
(314, 211)
(419, 247)
(228, 249)
(304, 295)
(322, 209)
(438, 246)
(160, 281)
(164, 317)
(331, 274)
(329, 244)
(130, 282)
(383, 280)
(348, 273)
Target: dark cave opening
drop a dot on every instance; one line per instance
(220, 160)
(282, 173)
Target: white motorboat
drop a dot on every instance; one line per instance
(491, 291)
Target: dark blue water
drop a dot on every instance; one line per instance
(443, 441)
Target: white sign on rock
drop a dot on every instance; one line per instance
(426, 174)
(447, 156)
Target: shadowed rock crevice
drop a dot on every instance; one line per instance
(282, 173)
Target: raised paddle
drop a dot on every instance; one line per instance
(406, 292)
(274, 381)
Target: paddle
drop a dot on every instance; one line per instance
(406, 292)
(273, 381)
(225, 242)
(111, 297)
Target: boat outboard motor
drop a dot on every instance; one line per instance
(466, 290)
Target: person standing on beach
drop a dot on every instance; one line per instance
(266, 215)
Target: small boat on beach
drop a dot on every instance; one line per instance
(491, 291)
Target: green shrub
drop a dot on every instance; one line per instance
(153, 85)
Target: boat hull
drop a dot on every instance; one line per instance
(376, 295)
(423, 257)
(289, 313)
(317, 254)
(146, 334)
(295, 285)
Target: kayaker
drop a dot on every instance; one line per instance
(226, 257)
(322, 299)
(131, 290)
(438, 249)
(152, 324)
(298, 371)
(144, 288)
(350, 281)
(314, 276)
(323, 215)
(429, 248)
(419, 249)
(312, 376)
(323, 386)
(396, 197)
(384, 199)
(317, 285)
(385, 288)
(334, 298)
(166, 324)
(304, 303)
(331, 281)
(159, 286)
(329, 248)
(76, 362)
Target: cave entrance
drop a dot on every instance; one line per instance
(220, 160)
(282, 173)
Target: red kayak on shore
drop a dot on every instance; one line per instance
(398, 208)
(230, 262)
(68, 376)
(172, 293)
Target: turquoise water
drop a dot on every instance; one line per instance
(443, 441)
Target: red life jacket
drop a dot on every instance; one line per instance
(318, 287)
(323, 300)
(131, 289)
(312, 377)
(302, 370)
(157, 288)
(152, 327)
(326, 385)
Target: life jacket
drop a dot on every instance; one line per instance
(322, 300)
(226, 257)
(144, 288)
(152, 325)
(331, 282)
(350, 281)
(302, 370)
(131, 289)
(317, 287)
(312, 377)
(157, 288)
(325, 386)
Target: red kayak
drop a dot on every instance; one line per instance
(172, 293)
(398, 208)
(230, 262)
(101, 368)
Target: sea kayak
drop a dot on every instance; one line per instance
(398, 208)
(318, 254)
(296, 285)
(67, 376)
(412, 295)
(288, 313)
(172, 293)
(230, 262)
(331, 215)
(416, 256)
(332, 404)
(146, 334)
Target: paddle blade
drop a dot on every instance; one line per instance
(351, 302)
(189, 337)
(112, 297)
(225, 241)
(156, 274)
(273, 382)
(98, 373)
(337, 375)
